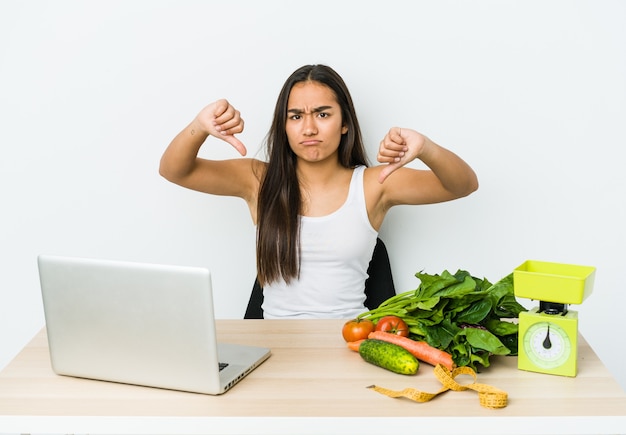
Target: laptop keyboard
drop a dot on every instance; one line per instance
(222, 366)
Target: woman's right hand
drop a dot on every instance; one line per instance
(221, 120)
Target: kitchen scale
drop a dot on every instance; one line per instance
(548, 334)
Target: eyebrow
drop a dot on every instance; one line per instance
(315, 110)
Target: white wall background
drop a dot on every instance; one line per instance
(531, 93)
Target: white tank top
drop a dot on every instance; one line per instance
(335, 253)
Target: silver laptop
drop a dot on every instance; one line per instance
(135, 323)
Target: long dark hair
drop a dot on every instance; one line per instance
(279, 203)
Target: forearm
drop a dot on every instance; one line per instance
(179, 158)
(455, 175)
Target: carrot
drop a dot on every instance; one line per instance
(419, 349)
(354, 345)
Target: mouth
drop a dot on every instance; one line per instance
(310, 142)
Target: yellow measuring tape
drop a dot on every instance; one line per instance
(488, 396)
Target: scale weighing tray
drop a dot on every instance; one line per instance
(553, 282)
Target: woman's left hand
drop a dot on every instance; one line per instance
(399, 147)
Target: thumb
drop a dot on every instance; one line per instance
(236, 143)
(388, 170)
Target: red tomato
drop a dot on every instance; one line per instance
(357, 329)
(393, 325)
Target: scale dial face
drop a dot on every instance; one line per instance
(547, 345)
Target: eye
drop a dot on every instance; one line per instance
(323, 115)
(294, 117)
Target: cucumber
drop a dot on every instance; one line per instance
(388, 356)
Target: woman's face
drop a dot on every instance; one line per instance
(314, 124)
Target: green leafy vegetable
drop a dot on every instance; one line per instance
(468, 317)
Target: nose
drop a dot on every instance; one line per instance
(310, 128)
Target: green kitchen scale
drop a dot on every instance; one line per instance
(548, 334)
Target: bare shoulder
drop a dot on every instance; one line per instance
(258, 167)
(386, 194)
(370, 178)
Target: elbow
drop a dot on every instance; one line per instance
(163, 171)
(473, 186)
(174, 173)
(166, 171)
(469, 187)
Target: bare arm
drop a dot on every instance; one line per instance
(180, 163)
(449, 177)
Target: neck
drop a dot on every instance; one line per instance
(319, 173)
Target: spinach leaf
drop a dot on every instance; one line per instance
(501, 327)
(511, 342)
(458, 289)
(442, 334)
(481, 357)
(476, 312)
(503, 296)
(428, 304)
(431, 284)
(457, 305)
(509, 307)
(483, 339)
